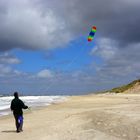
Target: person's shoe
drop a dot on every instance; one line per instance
(18, 131)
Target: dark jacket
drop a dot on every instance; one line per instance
(17, 105)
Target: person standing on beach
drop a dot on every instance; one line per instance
(16, 106)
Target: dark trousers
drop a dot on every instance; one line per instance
(18, 122)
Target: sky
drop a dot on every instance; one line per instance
(44, 48)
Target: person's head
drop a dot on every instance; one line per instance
(16, 94)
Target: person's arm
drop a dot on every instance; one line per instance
(23, 105)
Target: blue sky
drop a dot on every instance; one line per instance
(75, 56)
(44, 47)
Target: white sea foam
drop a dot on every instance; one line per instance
(31, 101)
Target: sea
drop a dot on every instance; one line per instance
(31, 101)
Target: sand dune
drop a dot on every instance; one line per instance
(92, 117)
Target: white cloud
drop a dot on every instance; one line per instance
(123, 64)
(7, 58)
(105, 48)
(25, 26)
(4, 70)
(7, 71)
(45, 74)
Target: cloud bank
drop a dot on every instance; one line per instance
(45, 24)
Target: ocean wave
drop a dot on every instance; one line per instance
(31, 101)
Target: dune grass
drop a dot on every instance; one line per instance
(124, 88)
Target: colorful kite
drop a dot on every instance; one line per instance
(92, 33)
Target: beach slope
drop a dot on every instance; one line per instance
(92, 117)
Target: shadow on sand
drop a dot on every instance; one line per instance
(8, 131)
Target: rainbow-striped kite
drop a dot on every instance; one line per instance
(92, 33)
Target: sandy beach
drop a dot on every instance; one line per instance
(91, 117)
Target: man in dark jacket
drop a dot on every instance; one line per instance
(16, 106)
